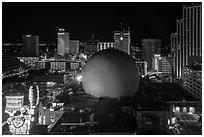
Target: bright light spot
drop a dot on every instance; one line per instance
(174, 109)
(121, 38)
(191, 110)
(177, 109)
(173, 120)
(184, 109)
(169, 121)
(79, 78)
(71, 93)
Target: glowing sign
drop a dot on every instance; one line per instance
(20, 124)
(14, 103)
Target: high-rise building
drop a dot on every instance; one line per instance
(192, 77)
(63, 42)
(149, 48)
(166, 66)
(30, 46)
(186, 42)
(174, 59)
(105, 45)
(74, 47)
(122, 40)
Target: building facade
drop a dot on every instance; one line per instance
(30, 46)
(186, 42)
(156, 63)
(122, 40)
(62, 42)
(166, 66)
(10, 63)
(142, 65)
(74, 47)
(14, 103)
(105, 45)
(29, 61)
(149, 48)
(151, 120)
(58, 65)
(192, 77)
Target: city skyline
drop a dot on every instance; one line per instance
(82, 20)
(102, 68)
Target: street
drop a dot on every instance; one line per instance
(189, 124)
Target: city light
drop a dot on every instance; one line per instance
(139, 76)
(79, 78)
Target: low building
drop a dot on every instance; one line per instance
(61, 78)
(142, 65)
(105, 45)
(192, 79)
(59, 65)
(29, 61)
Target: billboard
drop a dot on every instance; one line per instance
(14, 103)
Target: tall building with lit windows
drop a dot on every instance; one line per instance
(192, 76)
(186, 43)
(30, 46)
(122, 40)
(62, 42)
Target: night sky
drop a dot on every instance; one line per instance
(81, 20)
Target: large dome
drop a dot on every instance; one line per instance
(110, 73)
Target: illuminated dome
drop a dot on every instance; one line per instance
(110, 73)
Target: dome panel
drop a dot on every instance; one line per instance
(110, 73)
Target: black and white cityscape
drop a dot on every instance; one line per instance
(101, 68)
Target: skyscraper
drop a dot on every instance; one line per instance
(122, 40)
(62, 42)
(30, 46)
(149, 48)
(186, 44)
